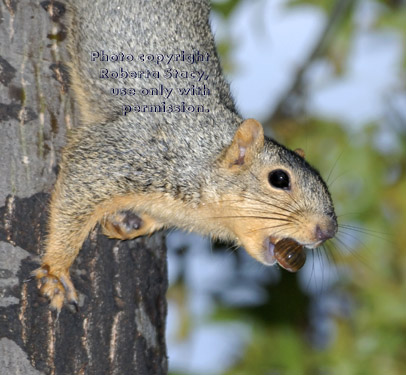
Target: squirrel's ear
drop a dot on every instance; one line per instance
(300, 152)
(248, 139)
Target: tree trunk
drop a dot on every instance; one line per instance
(120, 325)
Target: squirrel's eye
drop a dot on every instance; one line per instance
(279, 179)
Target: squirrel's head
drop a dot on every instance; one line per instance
(272, 194)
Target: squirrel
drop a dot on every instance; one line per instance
(207, 171)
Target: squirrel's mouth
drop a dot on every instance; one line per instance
(288, 253)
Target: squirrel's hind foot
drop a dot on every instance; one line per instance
(56, 286)
(126, 225)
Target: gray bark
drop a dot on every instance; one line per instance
(120, 325)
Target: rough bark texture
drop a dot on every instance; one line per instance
(120, 326)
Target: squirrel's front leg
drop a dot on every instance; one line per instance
(69, 225)
(126, 225)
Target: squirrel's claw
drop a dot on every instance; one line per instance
(56, 287)
(29, 278)
(75, 305)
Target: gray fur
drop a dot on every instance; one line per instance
(175, 153)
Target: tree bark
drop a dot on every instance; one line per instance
(120, 325)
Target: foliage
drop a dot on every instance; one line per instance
(224, 8)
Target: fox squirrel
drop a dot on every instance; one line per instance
(206, 171)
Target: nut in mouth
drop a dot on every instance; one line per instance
(289, 254)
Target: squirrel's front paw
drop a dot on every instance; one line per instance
(56, 286)
(126, 225)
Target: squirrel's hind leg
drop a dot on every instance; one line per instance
(126, 225)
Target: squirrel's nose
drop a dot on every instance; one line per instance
(327, 231)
